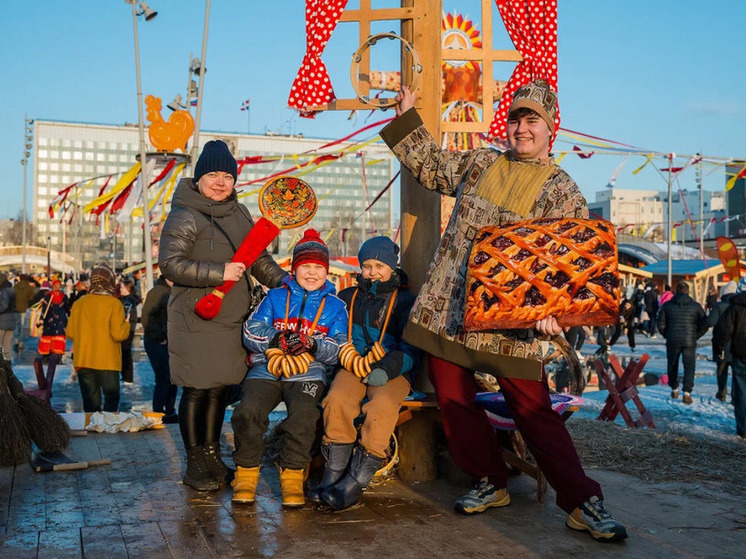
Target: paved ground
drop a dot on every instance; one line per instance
(138, 507)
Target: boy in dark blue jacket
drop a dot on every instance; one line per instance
(377, 364)
(294, 335)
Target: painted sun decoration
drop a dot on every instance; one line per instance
(459, 32)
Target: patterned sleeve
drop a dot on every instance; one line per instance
(434, 168)
(562, 198)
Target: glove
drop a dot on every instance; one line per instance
(295, 343)
(377, 377)
(280, 341)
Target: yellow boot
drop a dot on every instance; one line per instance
(244, 485)
(291, 482)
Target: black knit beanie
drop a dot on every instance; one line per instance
(216, 156)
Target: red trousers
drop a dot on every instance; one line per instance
(474, 446)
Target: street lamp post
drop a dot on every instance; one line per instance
(28, 137)
(149, 14)
(200, 71)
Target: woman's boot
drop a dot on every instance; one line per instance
(337, 457)
(349, 489)
(214, 460)
(198, 476)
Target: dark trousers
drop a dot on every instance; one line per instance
(618, 332)
(251, 419)
(689, 357)
(128, 373)
(721, 374)
(739, 394)
(201, 415)
(164, 393)
(95, 381)
(653, 315)
(474, 446)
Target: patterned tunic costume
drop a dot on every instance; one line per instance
(436, 322)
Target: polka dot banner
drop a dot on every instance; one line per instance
(312, 86)
(532, 26)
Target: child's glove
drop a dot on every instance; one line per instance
(296, 343)
(377, 377)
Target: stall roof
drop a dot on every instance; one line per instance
(681, 267)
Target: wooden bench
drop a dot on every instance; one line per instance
(415, 435)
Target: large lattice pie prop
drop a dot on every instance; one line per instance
(522, 273)
(285, 202)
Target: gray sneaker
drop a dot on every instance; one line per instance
(593, 517)
(483, 496)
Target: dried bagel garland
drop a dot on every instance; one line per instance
(350, 358)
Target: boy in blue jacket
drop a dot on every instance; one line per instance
(293, 336)
(380, 367)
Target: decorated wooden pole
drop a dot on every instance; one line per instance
(285, 202)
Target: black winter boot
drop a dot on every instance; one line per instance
(198, 475)
(215, 465)
(337, 457)
(349, 489)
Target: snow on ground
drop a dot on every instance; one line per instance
(706, 417)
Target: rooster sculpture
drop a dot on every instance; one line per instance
(171, 135)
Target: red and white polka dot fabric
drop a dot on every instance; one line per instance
(312, 86)
(532, 26)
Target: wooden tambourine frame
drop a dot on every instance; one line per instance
(358, 57)
(288, 201)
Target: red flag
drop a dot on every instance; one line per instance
(582, 154)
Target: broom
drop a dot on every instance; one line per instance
(15, 444)
(45, 426)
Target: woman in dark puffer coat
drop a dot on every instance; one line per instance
(199, 239)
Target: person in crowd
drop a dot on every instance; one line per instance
(130, 301)
(529, 178)
(682, 321)
(723, 359)
(665, 297)
(8, 315)
(155, 340)
(81, 288)
(56, 309)
(97, 327)
(712, 298)
(303, 317)
(199, 238)
(651, 306)
(731, 329)
(626, 322)
(379, 308)
(24, 293)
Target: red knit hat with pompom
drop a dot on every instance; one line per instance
(311, 248)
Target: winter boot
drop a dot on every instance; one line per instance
(337, 457)
(198, 475)
(244, 484)
(291, 483)
(215, 464)
(349, 489)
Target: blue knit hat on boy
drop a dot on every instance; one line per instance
(382, 249)
(216, 156)
(310, 249)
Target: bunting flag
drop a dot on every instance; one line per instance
(121, 184)
(312, 86)
(615, 175)
(648, 159)
(732, 181)
(134, 195)
(245, 105)
(582, 154)
(59, 199)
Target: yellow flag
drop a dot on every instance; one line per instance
(673, 234)
(122, 183)
(648, 160)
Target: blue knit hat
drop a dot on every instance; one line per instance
(216, 156)
(311, 248)
(382, 249)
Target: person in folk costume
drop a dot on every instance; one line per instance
(205, 227)
(379, 307)
(493, 188)
(55, 312)
(97, 327)
(302, 316)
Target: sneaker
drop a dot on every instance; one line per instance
(675, 394)
(483, 496)
(593, 517)
(687, 399)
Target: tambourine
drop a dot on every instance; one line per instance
(285, 202)
(357, 57)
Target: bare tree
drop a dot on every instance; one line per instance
(15, 231)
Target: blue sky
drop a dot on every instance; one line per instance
(663, 75)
